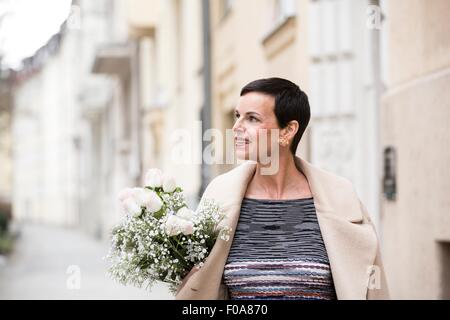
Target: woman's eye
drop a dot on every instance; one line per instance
(253, 119)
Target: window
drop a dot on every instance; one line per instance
(225, 8)
(331, 49)
(283, 9)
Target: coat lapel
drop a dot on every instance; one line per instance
(350, 243)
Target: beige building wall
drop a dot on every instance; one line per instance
(415, 114)
(254, 39)
(108, 150)
(43, 130)
(5, 156)
(70, 153)
(171, 88)
(5, 144)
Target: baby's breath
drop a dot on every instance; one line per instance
(142, 253)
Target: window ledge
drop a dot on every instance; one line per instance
(281, 35)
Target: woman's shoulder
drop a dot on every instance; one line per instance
(239, 173)
(319, 177)
(230, 184)
(335, 191)
(327, 178)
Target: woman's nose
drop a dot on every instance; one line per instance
(237, 126)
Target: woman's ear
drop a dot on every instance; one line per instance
(292, 129)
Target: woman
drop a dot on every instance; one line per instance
(298, 232)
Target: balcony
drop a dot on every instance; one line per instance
(113, 59)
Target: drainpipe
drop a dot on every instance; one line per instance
(207, 99)
(135, 107)
(375, 58)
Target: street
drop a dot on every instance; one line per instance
(55, 263)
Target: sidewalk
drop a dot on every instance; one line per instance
(45, 260)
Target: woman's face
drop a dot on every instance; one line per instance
(254, 126)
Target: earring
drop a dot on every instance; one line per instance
(283, 142)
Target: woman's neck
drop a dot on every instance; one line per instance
(286, 183)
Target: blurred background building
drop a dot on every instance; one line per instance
(126, 85)
(5, 141)
(414, 134)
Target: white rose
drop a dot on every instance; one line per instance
(175, 225)
(168, 183)
(172, 225)
(139, 196)
(147, 198)
(187, 227)
(128, 206)
(131, 206)
(125, 193)
(153, 201)
(153, 178)
(186, 213)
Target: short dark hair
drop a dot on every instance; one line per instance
(291, 103)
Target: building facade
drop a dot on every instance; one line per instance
(120, 93)
(5, 145)
(329, 49)
(415, 134)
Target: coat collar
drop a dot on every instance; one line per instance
(351, 244)
(327, 198)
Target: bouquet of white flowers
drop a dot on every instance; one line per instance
(160, 239)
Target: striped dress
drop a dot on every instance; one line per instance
(278, 253)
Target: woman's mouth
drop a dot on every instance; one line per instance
(241, 142)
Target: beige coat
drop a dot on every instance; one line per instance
(347, 231)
